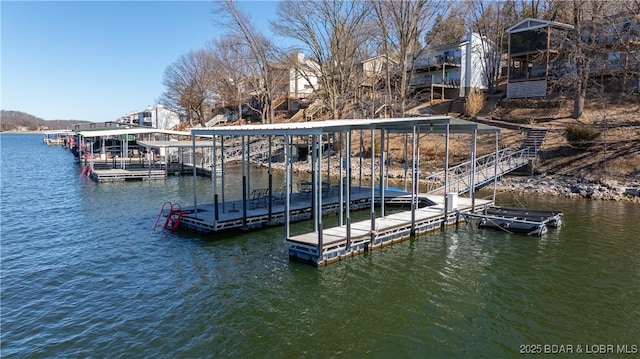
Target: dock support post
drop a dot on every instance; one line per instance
(360, 157)
(248, 165)
(195, 171)
(373, 184)
(215, 210)
(406, 165)
(348, 192)
(472, 190)
(341, 186)
(270, 181)
(446, 170)
(244, 186)
(244, 201)
(414, 196)
(314, 180)
(320, 245)
(287, 181)
(495, 171)
(222, 169)
(214, 169)
(382, 167)
(319, 188)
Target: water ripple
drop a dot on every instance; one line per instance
(84, 275)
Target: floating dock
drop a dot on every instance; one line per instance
(516, 220)
(333, 244)
(130, 174)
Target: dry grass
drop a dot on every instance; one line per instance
(474, 103)
(615, 154)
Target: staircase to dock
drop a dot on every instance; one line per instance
(462, 177)
(535, 138)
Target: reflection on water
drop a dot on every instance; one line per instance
(83, 274)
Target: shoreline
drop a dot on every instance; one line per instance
(572, 187)
(623, 189)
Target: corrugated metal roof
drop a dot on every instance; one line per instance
(159, 144)
(93, 132)
(436, 124)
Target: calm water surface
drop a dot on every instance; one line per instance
(84, 275)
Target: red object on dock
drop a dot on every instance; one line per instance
(172, 222)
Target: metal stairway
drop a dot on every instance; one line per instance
(460, 176)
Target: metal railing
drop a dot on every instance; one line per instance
(460, 176)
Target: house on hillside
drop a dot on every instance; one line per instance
(453, 70)
(159, 117)
(303, 81)
(372, 72)
(536, 56)
(615, 65)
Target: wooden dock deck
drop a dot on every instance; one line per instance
(338, 244)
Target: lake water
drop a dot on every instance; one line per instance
(84, 275)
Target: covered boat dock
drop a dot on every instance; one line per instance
(140, 153)
(325, 245)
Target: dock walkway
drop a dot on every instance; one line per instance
(337, 243)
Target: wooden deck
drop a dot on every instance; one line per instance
(337, 244)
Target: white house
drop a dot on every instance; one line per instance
(453, 70)
(158, 117)
(302, 77)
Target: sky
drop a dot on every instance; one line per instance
(99, 60)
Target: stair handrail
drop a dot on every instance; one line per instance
(459, 179)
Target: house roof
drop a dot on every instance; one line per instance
(531, 24)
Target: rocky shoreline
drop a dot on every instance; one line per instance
(560, 186)
(572, 187)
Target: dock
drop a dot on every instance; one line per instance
(516, 220)
(338, 243)
(130, 174)
(209, 218)
(326, 139)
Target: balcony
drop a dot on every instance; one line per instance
(427, 80)
(437, 61)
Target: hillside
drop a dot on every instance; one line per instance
(614, 154)
(22, 122)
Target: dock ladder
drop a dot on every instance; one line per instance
(173, 218)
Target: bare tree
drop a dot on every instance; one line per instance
(263, 55)
(189, 86)
(619, 37)
(233, 71)
(403, 23)
(332, 32)
(490, 20)
(447, 30)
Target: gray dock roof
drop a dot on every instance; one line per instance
(433, 124)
